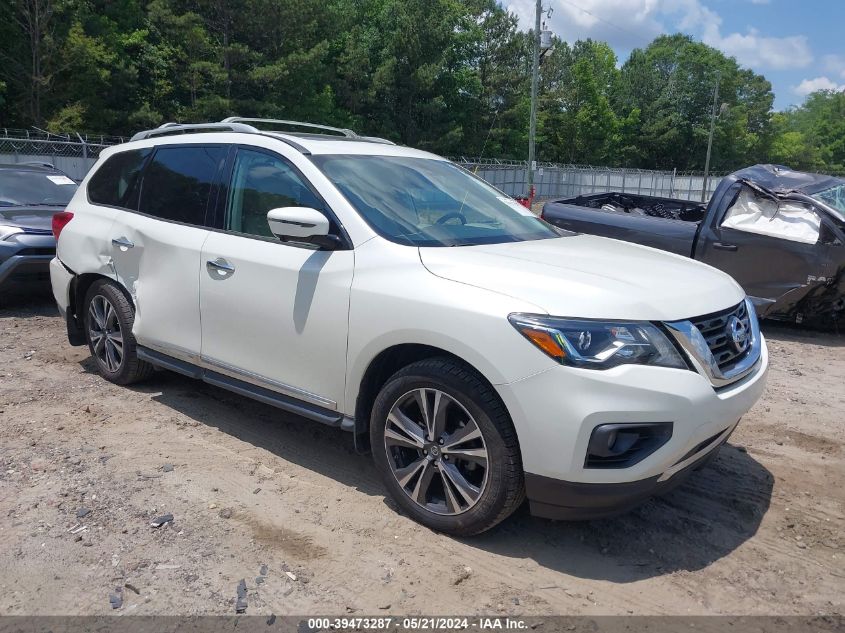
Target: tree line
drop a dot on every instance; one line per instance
(452, 76)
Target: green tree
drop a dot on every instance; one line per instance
(577, 122)
(671, 83)
(812, 136)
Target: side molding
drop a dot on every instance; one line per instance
(267, 396)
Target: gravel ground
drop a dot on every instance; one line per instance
(287, 506)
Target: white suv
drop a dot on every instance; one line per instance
(480, 354)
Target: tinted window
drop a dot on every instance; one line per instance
(112, 184)
(23, 187)
(178, 182)
(261, 182)
(426, 202)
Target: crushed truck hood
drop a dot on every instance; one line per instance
(590, 277)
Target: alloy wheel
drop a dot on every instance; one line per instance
(436, 451)
(105, 334)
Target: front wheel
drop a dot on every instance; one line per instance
(446, 447)
(108, 319)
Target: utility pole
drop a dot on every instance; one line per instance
(710, 139)
(535, 75)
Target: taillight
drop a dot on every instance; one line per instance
(60, 221)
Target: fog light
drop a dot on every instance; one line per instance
(623, 445)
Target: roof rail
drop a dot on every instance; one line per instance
(376, 139)
(314, 126)
(167, 129)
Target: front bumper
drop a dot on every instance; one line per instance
(574, 501)
(555, 412)
(25, 263)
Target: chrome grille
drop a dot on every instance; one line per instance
(724, 346)
(715, 328)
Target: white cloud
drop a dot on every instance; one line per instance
(812, 85)
(760, 1)
(624, 24)
(757, 51)
(628, 24)
(835, 64)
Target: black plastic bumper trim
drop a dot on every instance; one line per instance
(576, 501)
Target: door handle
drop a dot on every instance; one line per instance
(123, 242)
(725, 247)
(219, 266)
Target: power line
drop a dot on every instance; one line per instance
(637, 36)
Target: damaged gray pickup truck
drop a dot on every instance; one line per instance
(779, 233)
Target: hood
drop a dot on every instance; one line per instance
(38, 218)
(590, 277)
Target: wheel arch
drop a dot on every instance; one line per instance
(386, 363)
(79, 287)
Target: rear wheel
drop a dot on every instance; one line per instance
(108, 319)
(446, 448)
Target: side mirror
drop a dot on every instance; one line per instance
(297, 223)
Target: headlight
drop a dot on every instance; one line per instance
(598, 344)
(7, 231)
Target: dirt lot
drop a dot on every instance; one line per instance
(761, 531)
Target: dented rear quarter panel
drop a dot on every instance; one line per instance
(91, 252)
(90, 227)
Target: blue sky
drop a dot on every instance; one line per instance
(797, 44)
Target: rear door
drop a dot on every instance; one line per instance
(156, 250)
(274, 313)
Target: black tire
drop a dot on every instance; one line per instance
(130, 369)
(504, 490)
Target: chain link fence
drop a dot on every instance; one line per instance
(73, 154)
(567, 181)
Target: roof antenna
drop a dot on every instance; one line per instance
(487, 138)
(481, 155)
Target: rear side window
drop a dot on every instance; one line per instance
(113, 183)
(178, 182)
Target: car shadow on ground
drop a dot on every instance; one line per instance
(778, 331)
(27, 305)
(318, 447)
(715, 511)
(710, 515)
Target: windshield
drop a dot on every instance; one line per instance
(834, 197)
(33, 188)
(427, 202)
